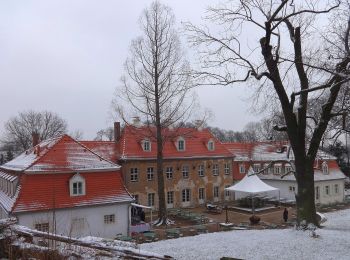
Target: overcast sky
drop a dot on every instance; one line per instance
(67, 57)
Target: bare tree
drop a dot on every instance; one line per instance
(19, 129)
(293, 56)
(157, 84)
(105, 134)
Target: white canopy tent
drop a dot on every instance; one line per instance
(252, 184)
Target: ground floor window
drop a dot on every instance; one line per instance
(291, 188)
(216, 191)
(227, 192)
(201, 193)
(336, 188)
(317, 192)
(43, 227)
(186, 195)
(326, 190)
(109, 219)
(170, 197)
(150, 197)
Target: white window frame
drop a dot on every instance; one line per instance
(185, 171)
(215, 169)
(134, 174)
(327, 190)
(241, 168)
(74, 183)
(256, 167)
(201, 170)
(201, 193)
(150, 173)
(170, 197)
(169, 172)
(146, 145)
(43, 227)
(211, 145)
(325, 169)
(216, 193)
(336, 188)
(227, 168)
(109, 219)
(277, 169)
(181, 144)
(150, 199)
(186, 195)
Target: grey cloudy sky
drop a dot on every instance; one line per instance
(67, 56)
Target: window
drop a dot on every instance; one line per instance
(185, 170)
(134, 174)
(170, 197)
(201, 170)
(150, 198)
(201, 194)
(181, 144)
(169, 172)
(317, 192)
(146, 145)
(136, 198)
(291, 188)
(150, 173)
(336, 188)
(256, 167)
(325, 169)
(227, 168)
(216, 191)
(326, 190)
(43, 227)
(211, 145)
(109, 219)
(77, 185)
(215, 169)
(77, 188)
(227, 192)
(78, 224)
(277, 169)
(186, 195)
(287, 168)
(241, 168)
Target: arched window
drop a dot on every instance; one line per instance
(181, 145)
(146, 145)
(325, 169)
(77, 185)
(211, 145)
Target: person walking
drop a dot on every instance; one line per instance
(285, 214)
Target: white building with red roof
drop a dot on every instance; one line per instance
(62, 186)
(329, 179)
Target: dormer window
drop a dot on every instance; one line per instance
(181, 144)
(77, 185)
(211, 145)
(146, 145)
(325, 169)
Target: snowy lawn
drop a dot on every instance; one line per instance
(333, 243)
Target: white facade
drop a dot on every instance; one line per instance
(82, 221)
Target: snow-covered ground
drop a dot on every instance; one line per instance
(333, 243)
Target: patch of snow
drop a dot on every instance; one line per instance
(332, 242)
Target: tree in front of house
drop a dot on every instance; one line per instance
(286, 51)
(156, 85)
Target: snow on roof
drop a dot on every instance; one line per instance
(267, 151)
(251, 184)
(196, 142)
(59, 154)
(106, 149)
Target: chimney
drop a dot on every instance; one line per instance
(199, 124)
(116, 131)
(35, 138)
(136, 121)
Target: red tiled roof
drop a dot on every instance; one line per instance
(106, 149)
(195, 144)
(59, 154)
(51, 191)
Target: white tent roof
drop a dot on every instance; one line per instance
(251, 183)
